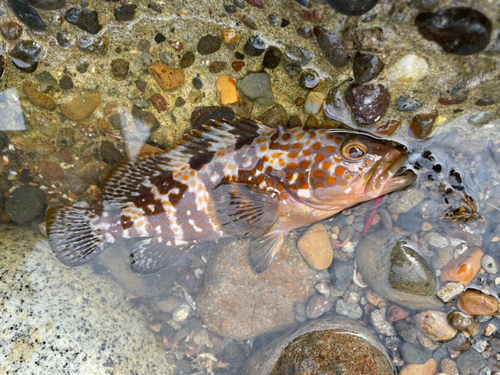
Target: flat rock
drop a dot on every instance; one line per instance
(315, 247)
(40, 99)
(27, 15)
(167, 78)
(82, 106)
(257, 87)
(464, 268)
(25, 204)
(476, 303)
(238, 303)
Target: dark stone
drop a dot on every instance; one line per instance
(272, 57)
(46, 79)
(304, 3)
(406, 330)
(155, 7)
(423, 123)
(309, 79)
(415, 354)
(25, 55)
(239, 3)
(405, 104)
(368, 103)
(217, 66)
(234, 353)
(2, 70)
(110, 154)
(187, 59)
(294, 121)
(47, 4)
(209, 44)
(331, 45)
(470, 362)
(249, 21)
(83, 19)
(119, 68)
(460, 31)
(82, 66)
(202, 115)
(255, 46)
(284, 22)
(239, 55)
(305, 32)
(66, 137)
(341, 274)
(366, 67)
(274, 116)
(230, 9)
(63, 41)
(25, 204)
(11, 30)
(484, 102)
(179, 102)
(125, 12)
(352, 7)
(197, 84)
(459, 343)
(66, 82)
(89, 44)
(294, 59)
(27, 15)
(273, 20)
(160, 38)
(144, 121)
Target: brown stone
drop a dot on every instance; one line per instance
(459, 320)
(82, 106)
(435, 325)
(375, 299)
(158, 102)
(388, 127)
(167, 78)
(217, 66)
(428, 368)
(423, 123)
(464, 268)
(11, 30)
(315, 247)
(237, 65)
(51, 171)
(449, 367)
(40, 99)
(476, 303)
(395, 313)
(43, 146)
(312, 15)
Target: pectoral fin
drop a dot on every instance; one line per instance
(264, 250)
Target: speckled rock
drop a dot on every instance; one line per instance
(326, 342)
(167, 78)
(380, 323)
(40, 99)
(470, 361)
(331, 45)
(25, 204)
(81, 106)
(11, 30)
(489, 264)
(316, 306)
(80, 325)
(25, 55)
(368, 103)
(474, 302)
(404, 201)
(464, 268)
(257, 86)
(84, 19)
(315, 247)
(435, 325)
(238, 303)
(119, 68)
(409, 68)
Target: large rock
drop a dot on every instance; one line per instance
(60, 320)
(238, 303)
(335, 344)
(392, 266)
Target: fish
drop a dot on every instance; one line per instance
(237, 178)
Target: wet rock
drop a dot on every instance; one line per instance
(430, 367)
(272, 57)
(83, 19)
(305, 32)
(388, 127)
(393, 268)
(81, 106)
(366, 67)
(257, 87)
(217, 66)
(63, 41)
(352, 7)
(273, 20)
(209, 44)
(66, 137)
(448, 366)
(119, 68)
(187, 59)
(169, 304)
(25, 55)
(489, 264)
(66, 82)
(341, 275)
(110, 154)
(436, 240)
(144, 121)
(43, 146)
(317, 306)
(274, 116)
(450, 291)
(474, 302)
(226, 86)
(309, 79)
(396, 313)
(249, 21)
(435, 325)
(368, 103)
(238, 303)
(460, 31)
(415, 354)
(255, 3)
(464, 268)
(314, 245)
(470, 361)
(237, 65)
(406, 200)
(294, 59)
(313, 15)
(405, 104)
(381, 325)
(27, 15)
(423, 124)
(181, 313)
(255, 46)
(158, 102)
(410, 68)
(484, 102)
(354, 346)
(459, 320)
(234, 353)
(25, 204)
(11, 30)
(406, 330)
(125, 12)
(203, 115)
(43, 101)
(350, 310)
(230, 37)
(47, 4)
(331, 45)
(480, 118)
(314, 102)
(51, 171)
(167, 78)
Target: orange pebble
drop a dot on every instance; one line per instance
(464, 268)
(227, 90)
(476, 303)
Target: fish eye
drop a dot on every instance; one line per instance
(354, 151)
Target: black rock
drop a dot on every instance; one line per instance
(272, 57)
(1, 66)
(209, 44)
(331, 45)
(25, 55)
(309, 79)
(25, 204)
(367, 102)
(202, 115)
(160, 38)
(63, 41)
(179, 102)
(366, 67)
(304, 3)
(305, 32)
(255, 46)
(65, 82)
(110, 154)
(125, 12)
(47, 4)
(27, 15)
(284, 22)
(405, 104)
(83, 19)
(239, 55)
(187, 59)
(197, 84)
(230, 9)
(461, 31)
(352, 7)
(239, 3)
(155, 7)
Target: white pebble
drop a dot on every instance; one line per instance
(314, 102)
(489, 264)
(181, 313)
(408, 69)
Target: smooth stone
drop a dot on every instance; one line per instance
(209, 44)
(393, 267)
(27, 15)
(429, 368)
(331, 45)
(81, 106)
(238, 303)
(435, 325)
(257, 87)
(83, 19)
(314, 245)
(459, 320)
(255, 46)
(415, 354)
(480, 118)
(314, 102)
(305, 32)
(25, 204)
(25, 55)
(66, 82)
(380, 324)
(274, 116)
(226, 86)
(316, 306)
(272, 57)
(470, 361)
(436, 240)
(11, 30)
(368, 103)
(312, 344)
(366, 67)
(405, 104)
(47, 4)
(110, 154)
(410, 68)
(474, 302)
(423, 124)
(406, 330)
(403, 202)
(460, 31)
(125, 12)
(167, 78)
(464, 268)
(396, 313)
(352, 7)
(187, 60)
(489, 264)
(41, 100)
(144, 121)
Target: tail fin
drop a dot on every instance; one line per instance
(74, 235)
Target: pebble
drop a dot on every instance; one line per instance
(314, 102)
(230, 36)
(158, 102)
(255, 3)
(119, 68)
(470, 361)
(314, 15)
(448, 366)
(341, 275)
(410, 68)
(460, 31)
(480, 345)
(459, 320)
(81, 106)
(27, 15)
(257, 87)
(209, 44)
(381, 325)
(331, 45)
(435, 325)
(352, 7)
(179, 102)
(436, 240)
(181, 313)
(66, 137)
(125, 12)
(272, 57)
(323, 288)
(489, 264)
(305, 32)
(11, 30)
(167, 78)
(405, 104)
(255, 46)
(366, 67)
(309, 79)
(314, 245)
(66, 82)
(169, 304)
(480, 118)
(83, 19)
(41, 100)
(464, 268)
(230, 8)
(274, 116)
(415, 354)
(187, 59)
(350, 310)
(489, 329)
(368, 103)
(273, 20)
(450, 291)
(25, 55)
(395, 313)
(406, 330)
(485, 101)
(144, 121)
(25, 204)
(110, 154)
(316, 306)
(249, 21)
(423, 123)
(226, 86)
(430, 367)
(476, 303)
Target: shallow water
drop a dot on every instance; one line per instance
(211, 312)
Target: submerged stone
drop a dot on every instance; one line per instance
(257, 86)
(47, 4)
(83, 19)
(367, 102)
(366, 67)
(209, 44)
(331, 45)
(255, 46)
(423, 123)
(27, 15)
(11, 30)
(405, 104)
(294, 59)
(352, 7)
(25, 55)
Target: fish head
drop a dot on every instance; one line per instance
(362, 168)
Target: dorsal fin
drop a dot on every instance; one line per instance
(131, 178)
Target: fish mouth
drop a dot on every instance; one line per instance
(389, 174)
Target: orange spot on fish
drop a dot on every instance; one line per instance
(327, 165)
(338, 140)
(200, 187)
(279, 187)
(304, 185)
(284, 147)
(260, 167)
(339, 171)
(316, 146)
(281, 162)
(293, 187)
(261, 140)
(368, 162)
(284, 195)
(319, 158)
(349, 176)
(286, 136)
(330, 149)
(292, 154)
(306, 152)
(312, 135)
(297, 145)
(185, 178)
(259, 180)
(193, 183)
(330, 180)
(304, 164)
(318, 174)
(269, 169)
(318, 185)
(300, 136)
(292, 166)
(263, 149)
(330, 136)
(270, 182)
(265, 158)
(300, 176)
(273, 146)
(337, 159)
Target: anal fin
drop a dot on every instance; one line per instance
(264, 250)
